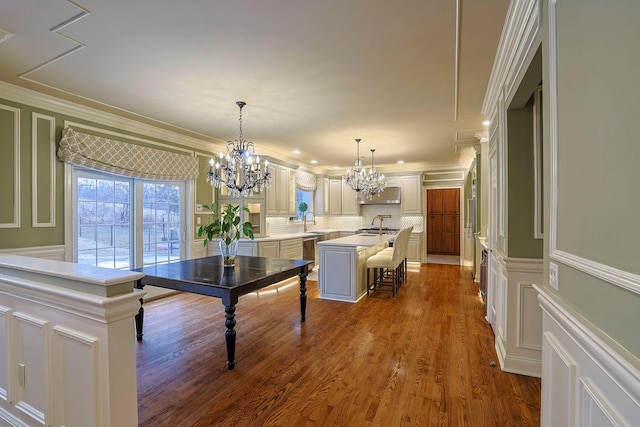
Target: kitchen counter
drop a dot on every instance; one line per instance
(342, 272)
(366, 240)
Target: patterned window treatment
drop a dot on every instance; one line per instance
(305, 181)
(125, 159)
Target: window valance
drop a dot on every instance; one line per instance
(305, 181)
(125, 159)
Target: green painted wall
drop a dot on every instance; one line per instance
(521, 192)
(598, 206)
(27, 235)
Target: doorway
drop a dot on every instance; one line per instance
(443, 222)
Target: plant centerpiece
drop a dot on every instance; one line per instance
(227, 227)
(302, 207)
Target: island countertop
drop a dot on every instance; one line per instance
(366, 240)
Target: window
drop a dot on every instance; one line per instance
(126, 223)
(161, 222)
(103, 220)
(304, 196)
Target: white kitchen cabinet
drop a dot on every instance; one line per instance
(246, 247)
(414, 253)
(270, 249)
(393, 181)
(322, 199)
(410, 194)
(335, 196)
(349, 200)
(277, 195)
(291, 248)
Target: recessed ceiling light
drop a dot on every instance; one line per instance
(296, 151)
(336, 167)
(314, 162)
(486, 123)
(400, 162)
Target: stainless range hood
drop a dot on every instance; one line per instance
(388, 196)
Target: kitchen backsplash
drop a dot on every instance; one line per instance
(281, 225)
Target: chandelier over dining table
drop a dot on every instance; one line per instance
(240, 169)
(366, 182)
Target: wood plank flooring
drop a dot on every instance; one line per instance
(421, 359)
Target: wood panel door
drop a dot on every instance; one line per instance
(443, 221)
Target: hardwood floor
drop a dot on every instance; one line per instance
(421, 359)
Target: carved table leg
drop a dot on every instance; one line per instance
(139, 318)
(303, 296)
(230, 335)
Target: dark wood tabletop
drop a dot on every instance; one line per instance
(208, 276)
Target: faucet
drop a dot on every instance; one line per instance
(381, 218)
(304, 220)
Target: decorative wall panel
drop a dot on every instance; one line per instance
(43, 170)
(10, 166)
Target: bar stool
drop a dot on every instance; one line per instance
(388, 265)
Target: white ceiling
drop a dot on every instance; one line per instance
(406, 76)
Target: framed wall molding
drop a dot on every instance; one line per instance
(15, 223)
(621, 278)
(538, 213)
(48, 162)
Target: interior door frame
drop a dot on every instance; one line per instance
(461, 219)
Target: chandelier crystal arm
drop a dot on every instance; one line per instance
(238, 170)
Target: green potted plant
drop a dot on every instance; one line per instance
(228, 227)
(302, 207)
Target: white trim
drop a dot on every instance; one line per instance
(69, 242)
(56, 252)
(597, 356)
(624, 279)
(34, 170)
(16, 167)
(553, 128)
(502, 162)
(621, 278)
(39, 100)
(519, 34)
(537, 165)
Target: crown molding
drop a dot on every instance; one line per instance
(47, 102)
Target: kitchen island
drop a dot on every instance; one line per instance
(342, 273)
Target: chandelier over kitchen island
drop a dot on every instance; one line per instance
(374, 182)
(355, 177)
(368, 183)
(240, 169)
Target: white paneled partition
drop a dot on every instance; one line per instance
(67, 344)
(587, 379)
(515, 314)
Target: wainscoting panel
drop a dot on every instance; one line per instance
(30, 339)
(76, 357)
(518, 335)
(68, 356)
(5, 313)
(557, 365)
(588, 379)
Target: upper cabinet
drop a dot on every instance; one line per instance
(328, 198)
(277, 196)
(349, 200)
(410, 196)
(410, 189)
(335, 196)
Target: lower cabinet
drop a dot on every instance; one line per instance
(269, 249)
(414, 253)
(291, 248)
(245, 247)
